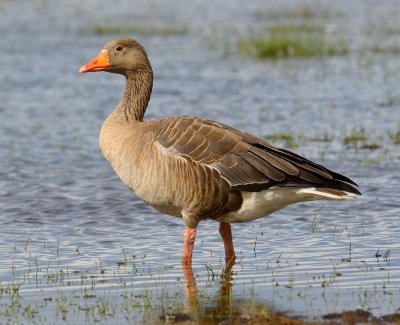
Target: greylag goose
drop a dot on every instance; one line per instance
(198, 169)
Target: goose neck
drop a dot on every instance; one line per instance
(138, 88)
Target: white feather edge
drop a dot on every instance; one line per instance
(328, 193)
(259, 204)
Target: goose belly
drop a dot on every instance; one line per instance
(259, 204)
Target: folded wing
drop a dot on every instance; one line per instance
(248, 163)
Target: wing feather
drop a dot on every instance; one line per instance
(264, 167)
(245, 161)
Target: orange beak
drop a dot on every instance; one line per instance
(99, 63)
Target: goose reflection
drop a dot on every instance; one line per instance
(222, 306)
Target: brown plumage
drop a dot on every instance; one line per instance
(196, 168)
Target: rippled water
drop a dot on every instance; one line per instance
(70, 231)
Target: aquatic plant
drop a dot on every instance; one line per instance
(395, 137)
(297, 28)
(392, 49)
(358, 139)
(289, 45)
(143, 30)
(305, 12)
(287, 139)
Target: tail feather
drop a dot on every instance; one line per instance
(328, 193)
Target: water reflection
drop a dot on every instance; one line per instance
(221, 305)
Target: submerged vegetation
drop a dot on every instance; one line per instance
(300, 34)
(395, 137)
(285, 45)
(305, 12)
(287, 139)
(143, 30)
(358, 139)
(132, 290)
(355, 137)
(392, 49)
(297, 28)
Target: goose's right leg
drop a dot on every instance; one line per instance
(188, 243)
(226, 234)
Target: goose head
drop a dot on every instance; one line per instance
(122, 56)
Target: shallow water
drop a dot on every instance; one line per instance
(72, 234)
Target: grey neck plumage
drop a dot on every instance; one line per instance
(139, 84)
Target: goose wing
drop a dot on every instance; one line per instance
(248, 163)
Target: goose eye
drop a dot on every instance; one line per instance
(118, 48)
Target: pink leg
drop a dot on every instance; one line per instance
(226, 234)
(188, 243)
